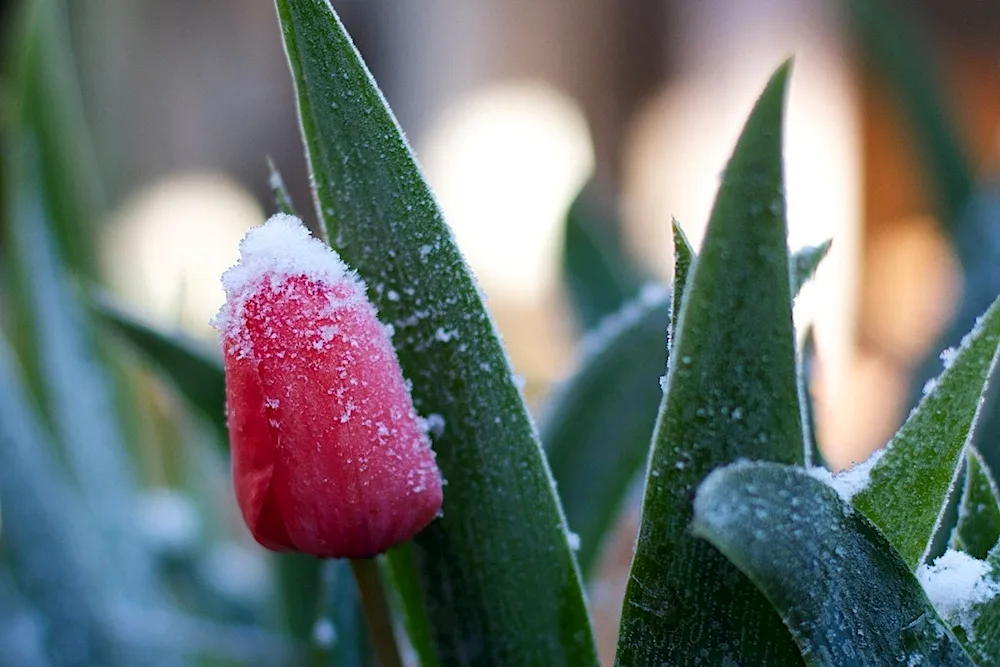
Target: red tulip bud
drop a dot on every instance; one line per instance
(329, 455)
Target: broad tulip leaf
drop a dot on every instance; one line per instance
(978, 526)
(498, 577)
(193, 369)
(910, 482)
(730, 394)
(684, 256)
(845, 594)
(597, 427)
(76, 388)
(598, 274)
(49, 539)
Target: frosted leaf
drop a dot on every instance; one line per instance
(611, 326)
(948, 356)
(929, 386)
(955, 582)
(850, 482)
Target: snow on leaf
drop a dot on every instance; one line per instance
(978, 527)
(911, 482)
(843, 591)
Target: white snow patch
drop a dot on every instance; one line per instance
(270, 254)
(850, 482)
(443, 335)
(929, 386)
(955, 582)
(948, 356)
(279, 248)
(434, 424)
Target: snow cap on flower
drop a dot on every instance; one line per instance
(329, 455)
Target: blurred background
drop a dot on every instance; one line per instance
(512, 107)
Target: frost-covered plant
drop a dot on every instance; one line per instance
(749, 551)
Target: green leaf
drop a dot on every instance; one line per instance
(341, 614)
(74, 384)
(401, 570)
(192, 367)
(808, 357)
(282, 200)
(900, 55)
(497, 573)
(597, 427)
(845, 594)
(805, 262)
(48, 538)
(730, 393)
(684, 256)
(910, 481)
(978, 526)
(50, 109)
(979, 625)
(598, 274)
(194, 370)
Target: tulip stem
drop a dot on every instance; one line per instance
(378, 616)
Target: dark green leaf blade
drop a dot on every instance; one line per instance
(913, 477)
(497, 572)
(901, 56)
(596, 429)
(401, 570)
(978, 526)
(50, 109)
(684, 256)
(282, 200)
(979, 625)
(598, 274)
(731, 393)
(845, 594)
(195, 372)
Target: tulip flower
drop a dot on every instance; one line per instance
(329, 455)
